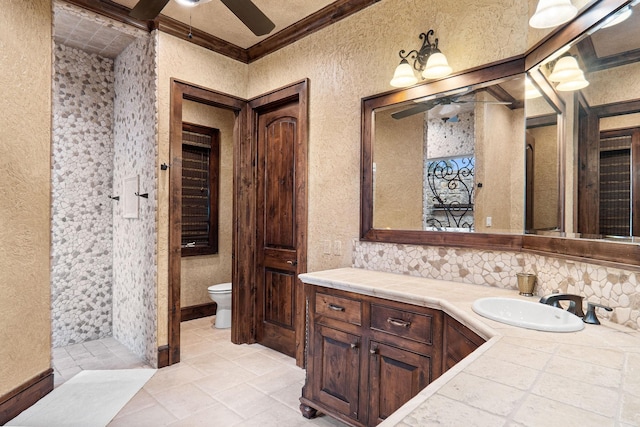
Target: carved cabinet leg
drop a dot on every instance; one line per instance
(308, 411)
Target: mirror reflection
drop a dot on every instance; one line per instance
(604, 135)
(452, 161)
(542, 169)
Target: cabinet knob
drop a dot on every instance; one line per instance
(373, 350)
(354, 345)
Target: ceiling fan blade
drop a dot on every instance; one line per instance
(251, 16)
(420, 108)
(147, 10)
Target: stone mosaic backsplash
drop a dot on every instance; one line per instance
(614, 287)
(134, 239)
(81, 177)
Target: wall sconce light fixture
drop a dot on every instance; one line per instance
(568, 74)
(551, 13)
(428, 61)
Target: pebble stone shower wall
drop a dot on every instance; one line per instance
(81, 218)
(615, 287)
(134, 239)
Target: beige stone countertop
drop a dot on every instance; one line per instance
(519, 377)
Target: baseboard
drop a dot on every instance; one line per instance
(163, 356)
(198, 311)
(22, 397)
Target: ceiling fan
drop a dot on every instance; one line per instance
(245, 10)
(421, 107)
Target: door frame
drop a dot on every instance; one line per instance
(245, 306)
(180, 91)
(243, 301)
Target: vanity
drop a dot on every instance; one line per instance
(367, 356)
(388, 349)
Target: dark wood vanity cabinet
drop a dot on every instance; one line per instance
(367, 356)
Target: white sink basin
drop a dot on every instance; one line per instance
(526, 314)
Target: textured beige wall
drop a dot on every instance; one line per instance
(620, 122)
(545, 177)
(190, 63)
(25, 174)
(613, 85)
(200, 272)
(499, 167)
(399, 160)
(356, 57)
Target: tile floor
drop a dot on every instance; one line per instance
(217, 383)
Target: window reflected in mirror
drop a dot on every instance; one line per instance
(449, 194)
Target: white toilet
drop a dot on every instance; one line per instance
(221, 295)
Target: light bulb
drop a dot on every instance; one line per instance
(574, 84)
(404, 75)
(551, 13)
(437, 66)
(566, 68)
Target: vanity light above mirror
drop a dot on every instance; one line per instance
(429, 61)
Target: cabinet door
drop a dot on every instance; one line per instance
(395, 376)
(459, 342)
(335, 370)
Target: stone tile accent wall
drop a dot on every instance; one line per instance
(615, 287)
(134, 239)
(81, 177)
(450, 139)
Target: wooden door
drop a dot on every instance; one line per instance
(279, 153)
(395, 376)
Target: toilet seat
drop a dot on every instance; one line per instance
(220, 289)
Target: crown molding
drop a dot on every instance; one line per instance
(180, 30)
(329, 15)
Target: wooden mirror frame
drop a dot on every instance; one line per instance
(601, 252)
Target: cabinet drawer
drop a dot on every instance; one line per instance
(343, 309)
(407, 324)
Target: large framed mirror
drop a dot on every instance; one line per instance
(446, 159)
(415, 189)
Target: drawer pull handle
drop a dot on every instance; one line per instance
(398, 322)
(336, 307)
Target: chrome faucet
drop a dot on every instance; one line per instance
(575, 302)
